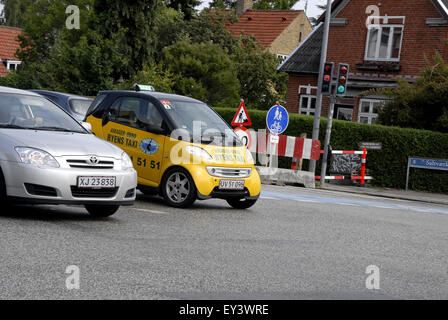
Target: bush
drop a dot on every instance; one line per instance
(387, 166)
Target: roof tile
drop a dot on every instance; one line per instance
(264, 25)
(9, 43)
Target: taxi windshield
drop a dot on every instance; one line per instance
(199, 119)
(19, 111)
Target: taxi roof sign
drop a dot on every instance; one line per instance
(241, 117)
(143, 87)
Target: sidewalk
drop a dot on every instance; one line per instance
(435, 198)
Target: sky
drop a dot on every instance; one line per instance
(312, 10)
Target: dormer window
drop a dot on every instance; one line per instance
(384, 38)
(12, 65)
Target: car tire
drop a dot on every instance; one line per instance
(3, 194)
(101, 211)
(241, 203)
(178, 188)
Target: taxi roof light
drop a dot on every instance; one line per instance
(143, 87)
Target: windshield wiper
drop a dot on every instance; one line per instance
(56, 129)
(12, 126)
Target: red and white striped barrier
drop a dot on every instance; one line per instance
(362, 177)
(345, 178)
(291, 147)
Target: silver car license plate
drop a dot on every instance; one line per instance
(231, 184)
(97, 182)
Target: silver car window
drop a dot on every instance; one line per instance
(32, 112)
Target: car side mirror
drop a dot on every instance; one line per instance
(87, 126)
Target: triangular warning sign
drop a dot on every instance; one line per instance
(241, 117)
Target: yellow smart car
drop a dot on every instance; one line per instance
(181, 148)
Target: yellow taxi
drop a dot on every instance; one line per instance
(181, 148)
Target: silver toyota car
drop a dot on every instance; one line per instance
(47, 157)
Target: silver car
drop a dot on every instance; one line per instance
(47, 157)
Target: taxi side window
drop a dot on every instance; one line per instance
(135, 112)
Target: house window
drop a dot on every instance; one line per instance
(384, 38)
(343, 112)
(368, 110)
(12, 65)
(281, 57)
(307, 104)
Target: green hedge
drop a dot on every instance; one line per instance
(387, 166)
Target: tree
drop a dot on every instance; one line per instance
(261, 84)
(186, 6)
(14, 11)
(258, 4)
(154, 74)
(203, 71)
(421, 105)
(222, 4)
(136, 19)
(274, 4)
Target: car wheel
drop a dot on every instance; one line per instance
(3, 194)
(101, 211)
(241, 203)
(178, 188)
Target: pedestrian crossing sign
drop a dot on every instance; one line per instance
(241, 118)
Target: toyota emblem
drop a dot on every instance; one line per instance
(93, 160)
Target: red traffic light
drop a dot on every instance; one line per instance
(343, 70)
(327, 78)
(327, 68)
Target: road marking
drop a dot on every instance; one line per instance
(348, 202)
(152, 211)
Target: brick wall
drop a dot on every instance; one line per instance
(292, 96)
(288, 40)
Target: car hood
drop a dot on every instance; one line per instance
(61, 143)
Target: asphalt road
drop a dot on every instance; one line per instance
(293, 244)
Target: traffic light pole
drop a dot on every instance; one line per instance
(323, 172)
(323, 58)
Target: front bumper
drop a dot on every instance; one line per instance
(208, 186)
(62, 184)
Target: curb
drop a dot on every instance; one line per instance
(387, 196)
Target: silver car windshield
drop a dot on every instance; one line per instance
(34, 113)
(198, 118)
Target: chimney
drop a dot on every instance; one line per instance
(242, 6)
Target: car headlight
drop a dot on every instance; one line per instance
(126, 162)
(36, 157)
(249, 157)
(199, 152)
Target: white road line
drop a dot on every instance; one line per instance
(349, 204)
(152, 211)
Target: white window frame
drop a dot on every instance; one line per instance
(308, 108)
(377, 25)
(283, 57)
(369, 115)
(12, 62)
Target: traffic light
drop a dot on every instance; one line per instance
(328, 75)
(341, 87)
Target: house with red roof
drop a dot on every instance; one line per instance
(381, 41)
(278, 31)
(8, 47)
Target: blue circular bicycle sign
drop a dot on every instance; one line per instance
(277, 119)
